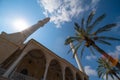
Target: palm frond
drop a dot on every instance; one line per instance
(68, 40)
(83, 26)
(100, 69)
(105, 69)
(111, 75)
(82, 50)
(71, 48)
(99, 73)
(80, 30)
(104, 42)
(76, 48)
(82, 22)
(91, 49)
(100, 18)
(76, 26)
(103, 75)
(90, 17)
(106, 76)
(107, 27)
(107, 38)
(71, 39)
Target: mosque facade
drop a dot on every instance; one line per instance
(32, 60)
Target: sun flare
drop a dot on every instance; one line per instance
(20, 24)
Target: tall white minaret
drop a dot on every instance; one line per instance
(19, 37)
(10, 43)
(27, 32)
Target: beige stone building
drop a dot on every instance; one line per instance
(32, 60)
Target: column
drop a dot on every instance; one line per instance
(63, 72)
(74, 75)
(15, 63)
(46, 70)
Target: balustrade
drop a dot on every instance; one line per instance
(17, 76)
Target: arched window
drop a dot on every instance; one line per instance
(54, 71)
(68, 74)
(34, 62)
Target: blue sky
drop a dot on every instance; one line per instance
(63, 14)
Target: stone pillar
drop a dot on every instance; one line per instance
(46, 69)
(15, 63)
(27, 32)
(74, 75)
(63, 72)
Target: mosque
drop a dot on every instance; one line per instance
(32, 60)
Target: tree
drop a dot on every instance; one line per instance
(88, 37)
(105, 69)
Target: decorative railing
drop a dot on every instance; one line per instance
(17, 76)
(2, 71)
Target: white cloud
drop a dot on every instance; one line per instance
(89, 71)
(90, 57)
(116, 53)
(118, 48)
(61, 11)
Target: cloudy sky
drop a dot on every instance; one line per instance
(16, 15)
(62, 11)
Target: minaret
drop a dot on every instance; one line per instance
(10, 43)
(27, 32)
(19, 37)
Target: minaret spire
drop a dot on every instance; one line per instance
(27, 32)
(19, 37)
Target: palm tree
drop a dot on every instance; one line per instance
(88, 37)
(105, 69)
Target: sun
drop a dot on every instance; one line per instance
(20, 24)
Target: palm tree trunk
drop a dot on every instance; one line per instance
(76, 58)
(110, 58)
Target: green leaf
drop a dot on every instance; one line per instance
(82, 23)
(68, 40)
(71, 39)
(111, 75)
(100, 18)
(76, 48)
(82, 50)
(76, 26)
(107, 27)
(69, 50)
(106, 69)
(108, 38)
(100, 73)
(104, 42)
(91, 49)
(106, 76)
(90, 17)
